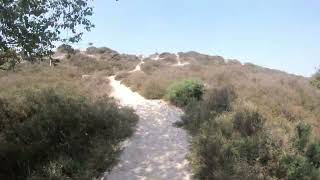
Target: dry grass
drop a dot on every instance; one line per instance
(281, 97)
(245, 137)
(41, 76)
(81, 74)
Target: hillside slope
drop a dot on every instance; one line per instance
(284, 98)
(251, 122)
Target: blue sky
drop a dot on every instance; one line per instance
(280, 34)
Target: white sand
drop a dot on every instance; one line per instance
(179, 61)
(156, 58)
(138, 67)
(157, 150)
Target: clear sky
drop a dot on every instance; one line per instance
(280, 34)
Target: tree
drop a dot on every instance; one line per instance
(8, 60)
(29, 28)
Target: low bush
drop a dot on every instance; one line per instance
(298, 163)
(153, 90)
(215, 101)
(184, 92)
(233, 142)
(122, 75)
(53, 134)
(150, 66)
(88, 64)
(220, 99)
(297, 167)
(238, 145)
(220, 152)
(303, 135)
(316, 80)
(248, 122)
(313, 154)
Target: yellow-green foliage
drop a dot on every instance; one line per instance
(182, 93)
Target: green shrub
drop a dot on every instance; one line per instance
(249, 122)
(56, 135)
(303, 135)
(219, 152)
(313, 154)
(238, 145)
(211, 156)
(195, 115)
(182, 93)
(215, 101)
(294, 167)
(220, 99)
(316, 80)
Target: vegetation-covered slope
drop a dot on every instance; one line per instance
(283, 97)
(252, 122)
(57, 122)
(247, 122)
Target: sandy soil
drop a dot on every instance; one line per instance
(157, 150)
(179, 61)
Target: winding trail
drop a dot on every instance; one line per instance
(157, 150)
(179, 61)
(138, 67)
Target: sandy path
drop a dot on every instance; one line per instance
(179, 61)
(138, 67)
(157, 150)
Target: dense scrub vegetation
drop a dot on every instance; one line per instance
(53, 135)
(56, 122)
(282, 97)
(251, 123)
(231, 141)
(316, 79)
